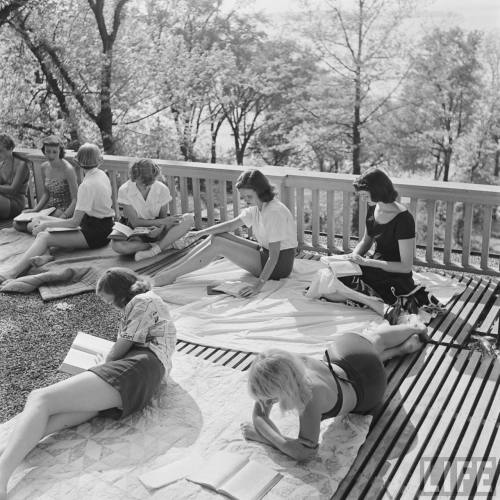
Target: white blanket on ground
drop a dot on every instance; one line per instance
(102, 459)
(280, 316)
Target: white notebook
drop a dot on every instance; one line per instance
(29, 216)
(236, 476)
(231, 287)
(83, 351)
(340, 266)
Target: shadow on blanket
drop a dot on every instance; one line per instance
(97, 452)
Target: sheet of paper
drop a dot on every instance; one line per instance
(172, 472)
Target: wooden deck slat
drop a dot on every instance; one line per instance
(391, 420)
(490, 318)
(436, 423)
(484, 429)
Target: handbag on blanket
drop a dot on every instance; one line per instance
(325, 284)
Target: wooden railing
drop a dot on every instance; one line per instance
(323, 205)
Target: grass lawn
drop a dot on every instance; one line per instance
(35, 336)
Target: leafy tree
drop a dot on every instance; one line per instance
(440, 96)
(361, 44)
(58, 56)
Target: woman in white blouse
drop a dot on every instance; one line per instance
(144, 201)
(271, 256)
(90, 225)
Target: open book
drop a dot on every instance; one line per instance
(229, 287)
(341, 266)
(123, 232)
(29, 216)
(236, 476)
(83, 351)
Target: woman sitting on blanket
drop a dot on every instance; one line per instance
(274, 228)
(144, 199)
(350, 379)
(122, 383)
(59, 183)
(91, 222)
(392, 228)
(14, 177)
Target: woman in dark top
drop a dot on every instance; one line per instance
(14, 176)
(392, 228)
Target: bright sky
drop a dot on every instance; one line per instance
(471, 14)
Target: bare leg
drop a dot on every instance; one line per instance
(40, 246)
(243, 253)
(395, 340)
(129, 247)
(410, 345)
(67, 402)
(177, 231)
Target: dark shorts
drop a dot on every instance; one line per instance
(358, 358)
(284, 266)
(96, 231)
(136, 377)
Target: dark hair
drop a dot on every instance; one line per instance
(256, 180)
(123, 284)
(146, 170)
(53, 140)
(378, 184)
(7, 142)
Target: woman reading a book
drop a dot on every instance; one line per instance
(350, 379)
(60, 187)
(144, 200)
(89, 226)
(272, 224)
(121, 384)
(391, 228)
(14, 177)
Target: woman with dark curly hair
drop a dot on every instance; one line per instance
(271, 256)
(391, 227)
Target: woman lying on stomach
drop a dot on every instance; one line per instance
(351, 378)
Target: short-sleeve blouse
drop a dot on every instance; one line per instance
(94, 195)
(387, 236)
(274, 222)
(149, 208)
(147, 322)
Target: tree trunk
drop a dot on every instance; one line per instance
(496, 169)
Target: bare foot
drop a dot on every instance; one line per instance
(412, 344)
(250, 434)
(41, 260)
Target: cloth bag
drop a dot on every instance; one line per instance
(325, 283)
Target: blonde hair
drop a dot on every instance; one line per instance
(89, 156)
(146, 170)
(280, 374)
